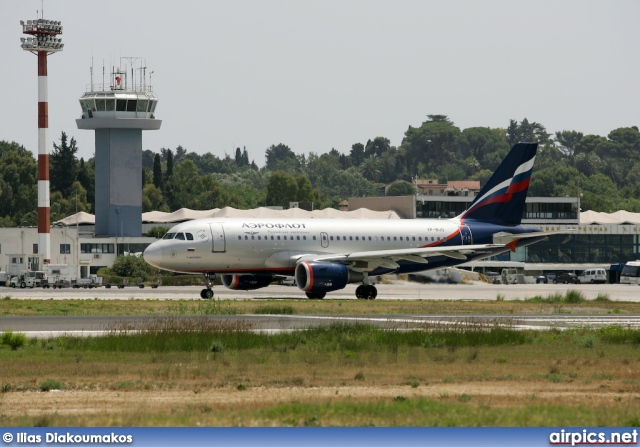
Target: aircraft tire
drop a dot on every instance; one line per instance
(316, 295)
(359, 292)
(371, 292)
(206, 294)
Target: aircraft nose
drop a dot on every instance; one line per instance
(153, 255)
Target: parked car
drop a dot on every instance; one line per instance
(546, 278)
(493, 277)
(593, 276)
(288, 281)
(541, 279)
(566, 278)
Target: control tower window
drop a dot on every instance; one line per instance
(152, 106)
(110, 105)
(131, 105)
(100, 106)
(121, 105)
(142, 105)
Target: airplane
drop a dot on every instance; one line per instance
(325, 255)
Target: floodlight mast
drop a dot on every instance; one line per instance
(43, 41)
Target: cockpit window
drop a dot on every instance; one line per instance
(168, 236)
(180, 236)
(189, 236)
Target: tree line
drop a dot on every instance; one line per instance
(604, 171)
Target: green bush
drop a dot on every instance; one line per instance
(157, 232)
(50, 384)
(14, 341)
(133, 266)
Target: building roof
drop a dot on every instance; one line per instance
(464, 184)
(185, 214)
(82, 218)
(617, 218)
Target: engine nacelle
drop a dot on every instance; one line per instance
(246, 282)
(312, 276)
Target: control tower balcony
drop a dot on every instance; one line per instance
(118, 109)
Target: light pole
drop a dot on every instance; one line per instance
(42, 42)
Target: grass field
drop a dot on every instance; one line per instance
(571, 302)
(172, 372)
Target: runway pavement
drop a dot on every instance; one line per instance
(396, 290)
(43, 327)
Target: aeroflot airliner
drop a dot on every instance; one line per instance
(327, 254)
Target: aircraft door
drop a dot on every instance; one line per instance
(465, 235)
(324, 240)
(217, 237)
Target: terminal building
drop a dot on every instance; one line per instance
(598, 240)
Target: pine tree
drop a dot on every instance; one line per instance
(157, 172)
(63, 165)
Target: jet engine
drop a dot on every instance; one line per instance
(246, 282)
(318, 277)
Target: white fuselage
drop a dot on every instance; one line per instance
(273, 245)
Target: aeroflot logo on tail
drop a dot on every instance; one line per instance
(271, 225)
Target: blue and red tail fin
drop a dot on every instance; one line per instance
(502, 199)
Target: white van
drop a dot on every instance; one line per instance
(593, 276)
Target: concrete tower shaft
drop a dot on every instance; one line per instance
(118, 112)
(43, 41)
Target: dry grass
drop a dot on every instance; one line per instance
(548, 379)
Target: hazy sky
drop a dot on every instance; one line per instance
(328, 74)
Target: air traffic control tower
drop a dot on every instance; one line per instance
(118, 112)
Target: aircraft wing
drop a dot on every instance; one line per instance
(370, 260)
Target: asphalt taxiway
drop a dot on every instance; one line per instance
(395, 290)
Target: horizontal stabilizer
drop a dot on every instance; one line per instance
(504, 238)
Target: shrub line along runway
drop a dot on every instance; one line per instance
(397, 290)
(44, 327)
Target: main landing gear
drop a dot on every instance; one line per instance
(316, 295)
(366, 292)
(207, 294)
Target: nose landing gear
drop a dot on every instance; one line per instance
(207, 294)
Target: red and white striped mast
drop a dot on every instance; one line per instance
(43, 41)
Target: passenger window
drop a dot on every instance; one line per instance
(180, 236)
(239, 238)
(278, 237)
(189, 236)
